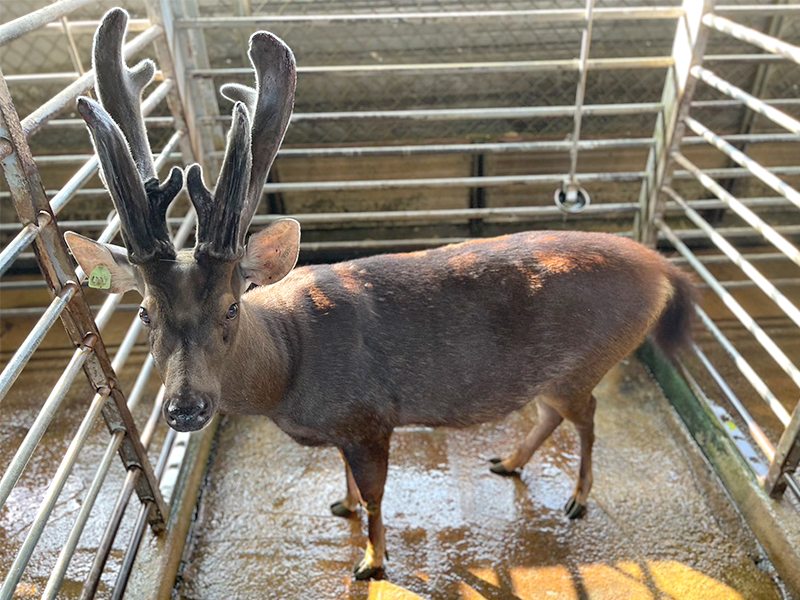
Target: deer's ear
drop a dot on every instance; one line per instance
(106, 265)
(272, 253)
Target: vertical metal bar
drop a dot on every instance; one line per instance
(73, 48)
(691, 37)
(188, 51)
(160, 13)
(586, 41)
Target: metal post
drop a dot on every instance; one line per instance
(688, 48)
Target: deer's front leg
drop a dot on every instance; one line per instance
(347, 506)
(369, 462)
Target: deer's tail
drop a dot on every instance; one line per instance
(673, 329)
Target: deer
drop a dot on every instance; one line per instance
(340, 355)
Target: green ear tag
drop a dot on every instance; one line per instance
(100, 278)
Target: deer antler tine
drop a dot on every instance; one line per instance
(270, 106)
(141, 211)
(219, 217)
(120, 88)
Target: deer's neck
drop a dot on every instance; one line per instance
(259, 367)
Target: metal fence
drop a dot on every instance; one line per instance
(448, 90)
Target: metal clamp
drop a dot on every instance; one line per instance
(571, 198)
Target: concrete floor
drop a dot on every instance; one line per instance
(658, 527)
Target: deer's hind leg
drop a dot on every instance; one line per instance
(549, 419)
(347, 506)
(581, 414)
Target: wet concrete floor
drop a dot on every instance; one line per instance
(658, 526)
(17, 412)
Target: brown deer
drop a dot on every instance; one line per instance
(340, 355)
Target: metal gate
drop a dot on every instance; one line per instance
(674, 96)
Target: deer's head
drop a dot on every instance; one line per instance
(190, 299)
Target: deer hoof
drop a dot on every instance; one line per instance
(574, 509)
(366, 570)
(340, 510)
(499, 469)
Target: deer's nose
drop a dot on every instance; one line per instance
(187, 413)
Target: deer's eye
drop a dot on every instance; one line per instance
(232, 311)
(143, 315)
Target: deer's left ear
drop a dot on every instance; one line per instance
(272, 253)
(106, 265)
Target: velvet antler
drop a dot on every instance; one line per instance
(223, 219)
(120, 137)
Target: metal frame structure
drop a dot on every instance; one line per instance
(40, 229)
(177, 31)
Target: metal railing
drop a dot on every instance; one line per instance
(184, 80)
(38, 215)
(782, 457)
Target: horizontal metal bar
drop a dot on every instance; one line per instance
(764, 284)
(90, 26)
(477, 148)
(39, 18)
(51, 496)
(721, 259)
(742, 58)
(752, 36)
(736, 103)
(595, 64)
(758, 435)
(741, 314)
(745, 161)
(744, 284)
(441, 182)
(770, 233)
(34, 121)
(773, 114)
(68, 76)
(150, 123)
(43, 419)
(468, 114)
(564, 15)
(34, 339)
(761, 10)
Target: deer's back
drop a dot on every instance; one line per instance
(468, 332)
